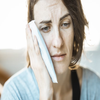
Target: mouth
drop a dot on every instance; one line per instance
(58, 57)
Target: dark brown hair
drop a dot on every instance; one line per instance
(79, 22)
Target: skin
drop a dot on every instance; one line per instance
(57, 31)
(1, 88)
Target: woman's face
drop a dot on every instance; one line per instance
(55, 24)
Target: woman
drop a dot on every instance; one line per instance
(61, 23)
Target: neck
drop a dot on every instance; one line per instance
(64, 82)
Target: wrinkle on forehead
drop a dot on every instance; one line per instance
(54, 3)
(50, 2)
(50, 10)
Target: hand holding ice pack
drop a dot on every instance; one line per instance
(44, 51)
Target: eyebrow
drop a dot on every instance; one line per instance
(46, 22)
(49, 21)
(66, 15)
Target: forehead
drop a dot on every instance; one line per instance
(49, 9)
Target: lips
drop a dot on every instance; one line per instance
(58, 57)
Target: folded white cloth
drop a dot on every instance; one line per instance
(44, 51)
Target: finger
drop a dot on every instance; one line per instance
(36, 46)
(1, 88)
(29, 39)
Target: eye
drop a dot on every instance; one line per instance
(45, 29)
(65, 25)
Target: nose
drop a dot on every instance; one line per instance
(58, 41)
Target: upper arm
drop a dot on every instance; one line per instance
(10, 92)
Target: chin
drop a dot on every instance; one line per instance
(60, 69)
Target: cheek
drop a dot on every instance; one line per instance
(68, 40)
(68, 36)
